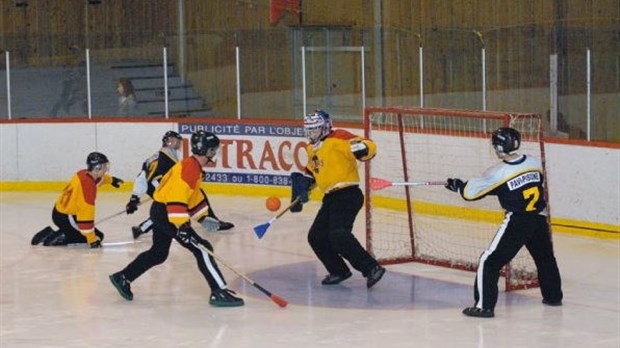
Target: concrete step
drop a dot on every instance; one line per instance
(141, 69)
(182, 103)
(203, 112)
(174, 92)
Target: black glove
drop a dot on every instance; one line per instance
(186, 234)
(359, 149)
(132, 205)
(300, 186)
(116, 182)
(96, 244)
(455, 185)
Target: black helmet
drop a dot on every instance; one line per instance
(95, 160)
(506, 140)
(168, 135)
(203, 141)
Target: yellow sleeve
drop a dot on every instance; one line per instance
(372, 149)
(198, 204)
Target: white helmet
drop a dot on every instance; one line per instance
(317, 125)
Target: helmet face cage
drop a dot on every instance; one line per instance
(506, 140)
(317, 126)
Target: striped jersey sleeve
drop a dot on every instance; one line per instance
(518, 185)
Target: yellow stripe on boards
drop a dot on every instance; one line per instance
(32, 186)
(558, 225)
(586, 228)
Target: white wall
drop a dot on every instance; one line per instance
(55, 151)
(584, 181)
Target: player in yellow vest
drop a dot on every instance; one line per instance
(333, 155)
(178, 198)
(153, 169)
(74, 211)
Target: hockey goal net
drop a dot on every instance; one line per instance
(430, 224)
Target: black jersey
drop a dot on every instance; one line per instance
(156, 169)
(153, 169)
(518, 184)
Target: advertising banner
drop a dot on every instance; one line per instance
(260, 154)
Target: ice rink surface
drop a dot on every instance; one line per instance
(61, 296)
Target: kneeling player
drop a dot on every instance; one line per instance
(74, 211)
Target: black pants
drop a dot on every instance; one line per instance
(147, 225)
(331, 236)
(163, 234)
(518, 230)
(67, 226)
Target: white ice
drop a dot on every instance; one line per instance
(61, 297)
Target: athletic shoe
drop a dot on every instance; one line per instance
(225, 226)
(136, 231)
(41, 235)
(374, 276)
(478, 312)
(552, 303)
(55, 239)
(122, 285)
(332, 279)
(225, 298)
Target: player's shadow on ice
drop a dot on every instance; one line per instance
(300, 284)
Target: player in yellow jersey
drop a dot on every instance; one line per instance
(74, 211)
(153, 169)
(333, 155)
(178, 197)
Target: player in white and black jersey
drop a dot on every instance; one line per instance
(517, 182)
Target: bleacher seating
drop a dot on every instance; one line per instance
(38, 92)
(148, 82)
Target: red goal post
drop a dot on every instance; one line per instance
(427, 223)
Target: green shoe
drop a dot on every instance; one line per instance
(42, 235)
(225, 298)
(122, 285)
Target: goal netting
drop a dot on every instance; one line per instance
(430, 224)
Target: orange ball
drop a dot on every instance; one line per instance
(273, 203)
